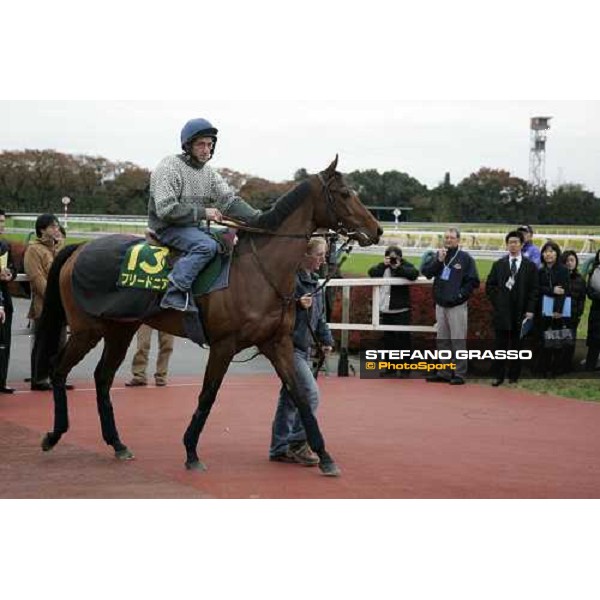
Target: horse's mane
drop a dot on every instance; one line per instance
(283, 207)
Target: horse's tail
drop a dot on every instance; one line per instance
(53, 318)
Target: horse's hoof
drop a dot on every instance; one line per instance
(330, 469)
(48, 443)
(195, 465)
(124, 454)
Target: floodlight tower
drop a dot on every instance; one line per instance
(537, 152)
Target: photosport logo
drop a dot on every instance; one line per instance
(483, 358)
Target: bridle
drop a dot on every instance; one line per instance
(287, 300)
(330, 204)
(338, 227)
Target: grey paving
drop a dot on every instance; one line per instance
(187, 359)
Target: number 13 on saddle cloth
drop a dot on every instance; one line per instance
(147, 266)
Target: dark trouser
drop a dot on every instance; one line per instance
(396, 340)
(591, 359)
(40, 362)
(5, 341)
(569, 351)
(551, 359)
(508, 340)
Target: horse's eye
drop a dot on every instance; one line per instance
(345, 194)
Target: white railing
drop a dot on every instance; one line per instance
(345, 325)
(376, 284)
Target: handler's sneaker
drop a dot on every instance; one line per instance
(284, 457)
(302, 454)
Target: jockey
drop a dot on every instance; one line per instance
(184, 190)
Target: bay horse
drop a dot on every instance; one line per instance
(256, 309)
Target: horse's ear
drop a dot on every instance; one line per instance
(330, 170)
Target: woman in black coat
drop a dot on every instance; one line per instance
(555, 283)
(578, 294)
(593, 334)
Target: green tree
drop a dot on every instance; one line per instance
(392, 188)
(572, 204)
(260, 193)
(490, 195)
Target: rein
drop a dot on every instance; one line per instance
(237, 224)
(286, 300)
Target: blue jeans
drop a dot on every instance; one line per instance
(198, 248)
(287, 427)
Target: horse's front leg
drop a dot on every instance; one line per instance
(219, 360)
(281, 354)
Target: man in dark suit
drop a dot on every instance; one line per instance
(7, 273)
(512, 287)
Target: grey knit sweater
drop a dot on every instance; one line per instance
(180, 193)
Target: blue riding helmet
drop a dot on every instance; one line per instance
(198, 128)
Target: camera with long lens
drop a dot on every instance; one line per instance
(394, 260)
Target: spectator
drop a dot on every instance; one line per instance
(570, 260)
(61, 236)
(593, 333)
(530, 251)
(394, 305)
(288, 440)
(38, 259)
(139, 364)
(512, 287)
(7, 273)
(456, 278)
(555, 285)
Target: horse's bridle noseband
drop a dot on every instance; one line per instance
(331, 213)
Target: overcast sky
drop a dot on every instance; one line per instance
(272, 139)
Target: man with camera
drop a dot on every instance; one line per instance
(455, 278)
(394, 305)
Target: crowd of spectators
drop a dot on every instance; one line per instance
(536, 295)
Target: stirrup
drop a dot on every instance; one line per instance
(166, 306)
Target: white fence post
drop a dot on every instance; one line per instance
(374, 325)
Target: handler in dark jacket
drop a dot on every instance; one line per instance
(456, 278)
(394, 306)
(512, 287)
(288, 439)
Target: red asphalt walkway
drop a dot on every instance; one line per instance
(391, 438)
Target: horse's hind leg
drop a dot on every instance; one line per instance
(116, 341)
(281, 354)
(219, 360)
(78, 345)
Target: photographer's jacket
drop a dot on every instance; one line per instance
(399, 294)
(307, 283)
(462, 280)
